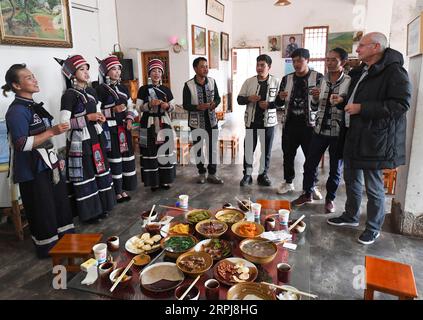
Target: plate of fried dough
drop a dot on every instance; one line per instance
(143, 243)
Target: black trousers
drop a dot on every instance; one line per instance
(209, 137)
(250, 143)
(294, 135)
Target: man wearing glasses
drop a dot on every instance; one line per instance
(375, 118)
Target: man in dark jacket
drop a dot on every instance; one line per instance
(375, 117)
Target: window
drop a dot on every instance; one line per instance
(316, 40)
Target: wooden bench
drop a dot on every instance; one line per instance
(74, 246)
(389, 277)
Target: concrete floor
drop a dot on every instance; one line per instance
(334, 251)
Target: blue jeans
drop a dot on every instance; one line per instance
(375, 191)
(317, 148)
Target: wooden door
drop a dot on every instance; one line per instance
(163, 56)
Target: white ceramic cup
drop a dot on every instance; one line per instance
(183, 201)
(100, 252)
(284, 216)
(256, 209)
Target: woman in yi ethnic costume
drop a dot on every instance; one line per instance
(34, 162)
(88, 172)
(119, 113)
(157, 147)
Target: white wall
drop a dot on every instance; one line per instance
(89, 40)
(197, 16)
(147, 26)
(254, 21)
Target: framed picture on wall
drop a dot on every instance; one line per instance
(215, 9)
(344, 40)
(415, 36)
(224, 46)
(41, 23)
(291, 42)
(274, 43)
(198, 38)
(214, 50)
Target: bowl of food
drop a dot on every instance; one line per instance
(211, 228)
(176, 245)
(153, 227)
(299, 228)
(126, 280)
(247, 229)
(176, 228)
(282, 294)
(194, 263)
(260, 251)
(197, 215)
(218, 249)
(106, 268)
(231, 271)
(193, 294)
(230, 216)
(244, 205)
(141, 260)
(250, 291)
(146, 214)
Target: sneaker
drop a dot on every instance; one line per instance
(155, 188)
(212, 178)
(316, 194)
(302, 199)
(341, 221)
(285, 188)
(202, 178)
(246, 180)
(263, 180)
(165, 186)
(368, 237)
(329, 206)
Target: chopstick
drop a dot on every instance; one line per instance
(155, 259)
(296, 222)
(292, 290)
(122, 275)
(190, 287)
(173, 208)
(151, 212)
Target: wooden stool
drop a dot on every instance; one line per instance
(390, 180)
(73, 246)
(232, 143)
(389, 277)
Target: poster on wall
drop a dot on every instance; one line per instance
(274, 43)
(415, 36)
(214, 50)
(289, 66)
(224, 44)
(344, 40)
(41, 23)
(290, 43)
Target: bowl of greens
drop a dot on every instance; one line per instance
(175, 245)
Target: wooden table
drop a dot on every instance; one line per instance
(299, 259)
(74, 246)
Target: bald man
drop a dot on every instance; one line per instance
(375, 120)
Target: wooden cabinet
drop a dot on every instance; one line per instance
(132, 86)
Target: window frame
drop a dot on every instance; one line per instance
(323, 59)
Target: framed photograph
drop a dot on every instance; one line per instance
(415, 36)
(214, 50)
(274, 43)
(41, 23)
(215, 9)
(344, 40)
(198, 38)
(224, 46)
(290, 43)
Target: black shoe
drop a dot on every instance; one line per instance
(165, 186)
(127, 198)
(154, 189)
(263, 180)
(120, 200)
(103, 216)
(341, 221)
(246, 180)
(368, 237)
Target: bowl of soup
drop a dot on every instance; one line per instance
(259, 251)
